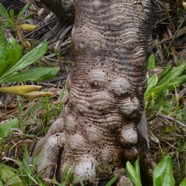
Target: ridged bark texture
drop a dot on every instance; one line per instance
(104, 105)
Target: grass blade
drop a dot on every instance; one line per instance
(7, 128)
(174, 73)
(113, 180)
(3, 12)
(24, 9)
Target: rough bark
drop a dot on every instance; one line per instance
(65, 13)
(99, 127)
(65, 9)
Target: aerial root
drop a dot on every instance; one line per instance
(50, 155)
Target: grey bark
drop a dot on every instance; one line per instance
(103, 124)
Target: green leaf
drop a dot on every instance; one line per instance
(163, 173)
(27, 167)
(113, 180)
(156, 91)
(177, 82)
(9, 176)
(174, 73)
(14, 49)
(30, 15)
(183, 183)
(66, 170)
(137, 167)
(24, 9)
(1, 183)
(7, 128)
(29, 58)
(34, 162)
(132, 174)
(5, 25)
(152, 81)
(3, 52)
(36, 74)
(32, 178)
(13, 54)
(151, 62)
(80, 181)
(2, 44)
(165, 72)
(3, 12)
(69, 176)
(12, 18)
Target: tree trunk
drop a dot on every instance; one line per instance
(101, 126)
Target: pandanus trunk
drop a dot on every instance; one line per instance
(104, 95)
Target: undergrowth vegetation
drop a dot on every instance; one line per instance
(23, 121)
(161, 95)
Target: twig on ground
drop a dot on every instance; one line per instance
(173, 119)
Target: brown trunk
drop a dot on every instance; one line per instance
(104, 96)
